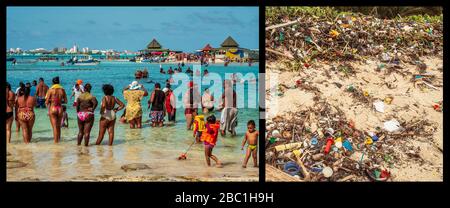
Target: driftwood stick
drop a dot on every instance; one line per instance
(303, 168)
(283, 24)
(280, 54)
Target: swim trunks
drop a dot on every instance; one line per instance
(209, 145)
(40, 102)
(252, 146)
(157, 116)
(9, 115)
(84, 115)
(190, 111)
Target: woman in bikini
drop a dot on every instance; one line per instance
(55, 98)
(108, 114)
(25, 107)
(10, 101)
(85, 113)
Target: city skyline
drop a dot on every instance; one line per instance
(130, 28)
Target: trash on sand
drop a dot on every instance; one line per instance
(291, 168)
(379, 106)
(392, 125)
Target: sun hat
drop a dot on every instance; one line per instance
(134, 85)
(79, 82)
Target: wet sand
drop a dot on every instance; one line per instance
(68, 162)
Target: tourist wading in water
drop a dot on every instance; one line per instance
(25, 104)
(41, 91)
(251, 136)
(108, 114)
(55, 98)
(228, 120)
(170, 103)
(86, 104)
(190, 100)
(10, 102)
(133, 94)
(16, 118)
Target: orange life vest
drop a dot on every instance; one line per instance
(211, 138)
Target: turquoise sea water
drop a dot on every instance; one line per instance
(157, 147)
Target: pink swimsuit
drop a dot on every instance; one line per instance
(84, 115)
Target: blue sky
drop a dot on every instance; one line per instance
(130, 28)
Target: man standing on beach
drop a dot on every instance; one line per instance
(41, 91)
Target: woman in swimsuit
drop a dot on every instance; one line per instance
(108, 114)
(56, 96)
(85, 113)
(25, 104)
(10, 101)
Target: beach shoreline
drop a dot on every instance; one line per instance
(419, 158)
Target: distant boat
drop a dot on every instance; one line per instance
(48, 59)
(83, 62)
(24, 61)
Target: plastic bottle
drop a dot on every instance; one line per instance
(328, 145)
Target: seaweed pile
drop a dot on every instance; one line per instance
(352, 37)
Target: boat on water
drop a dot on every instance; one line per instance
(24, 61)
(49, 59)
(83, 62)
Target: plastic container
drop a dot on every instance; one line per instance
(327, 172)
(347, 145)
(291, 168)
(328, 145)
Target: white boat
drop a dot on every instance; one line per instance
(83, 62)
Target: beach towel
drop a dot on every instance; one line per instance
(55, 86)
(228, 119)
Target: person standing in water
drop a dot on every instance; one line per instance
(190, 104)
(86, 104)
(55, 98)
(33, 88)
(156, 103)
(251, 136)
(16, 118)
(209, 139)
(10, 102)
(207, 102)
(170, 103)
(76, 91)
(25, 104)
(228, 118)
(41, 92)
(65, 118)
(108, 114)
(133, 94)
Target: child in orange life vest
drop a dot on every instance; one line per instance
(199, 127)
(209, 138)
(252, 137)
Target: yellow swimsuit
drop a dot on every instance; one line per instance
(252, 146)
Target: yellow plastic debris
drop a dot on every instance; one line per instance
(334, 33)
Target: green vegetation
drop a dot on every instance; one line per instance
(404, 14)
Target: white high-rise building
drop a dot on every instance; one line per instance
(85, 50)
